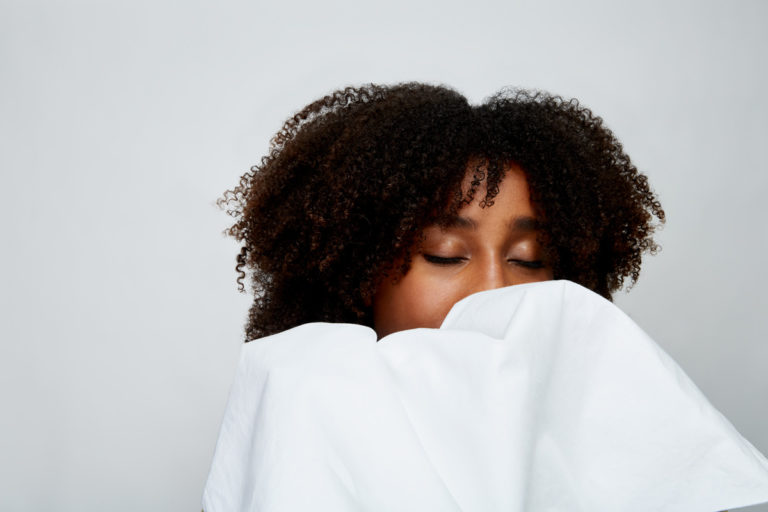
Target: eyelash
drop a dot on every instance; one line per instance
(439, 260)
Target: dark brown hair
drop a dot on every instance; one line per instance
(352, 180)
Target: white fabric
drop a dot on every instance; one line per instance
(536, 397)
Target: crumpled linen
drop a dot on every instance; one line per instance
(535, 397)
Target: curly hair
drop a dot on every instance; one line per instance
(353, 179)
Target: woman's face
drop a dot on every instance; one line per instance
(482, 249)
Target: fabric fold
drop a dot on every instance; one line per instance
(536, 397)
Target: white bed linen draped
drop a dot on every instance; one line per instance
(535, 397)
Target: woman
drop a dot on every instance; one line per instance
(431, 323)
(357, 186)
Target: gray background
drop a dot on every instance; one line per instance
(122, 122)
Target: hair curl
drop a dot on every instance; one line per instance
(352, 180)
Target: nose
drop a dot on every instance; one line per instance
(491, 274)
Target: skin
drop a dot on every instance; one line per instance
(485, 248)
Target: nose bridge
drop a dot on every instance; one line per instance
(493, 273)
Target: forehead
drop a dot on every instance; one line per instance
(511, 188)
(510, 204)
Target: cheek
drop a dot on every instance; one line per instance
(413, 302)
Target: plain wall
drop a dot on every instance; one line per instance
(122, 122)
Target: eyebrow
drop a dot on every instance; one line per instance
(525, 223)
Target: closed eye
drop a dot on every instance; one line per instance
(439, 260)
(528, 264)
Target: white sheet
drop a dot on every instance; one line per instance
(536, 397)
